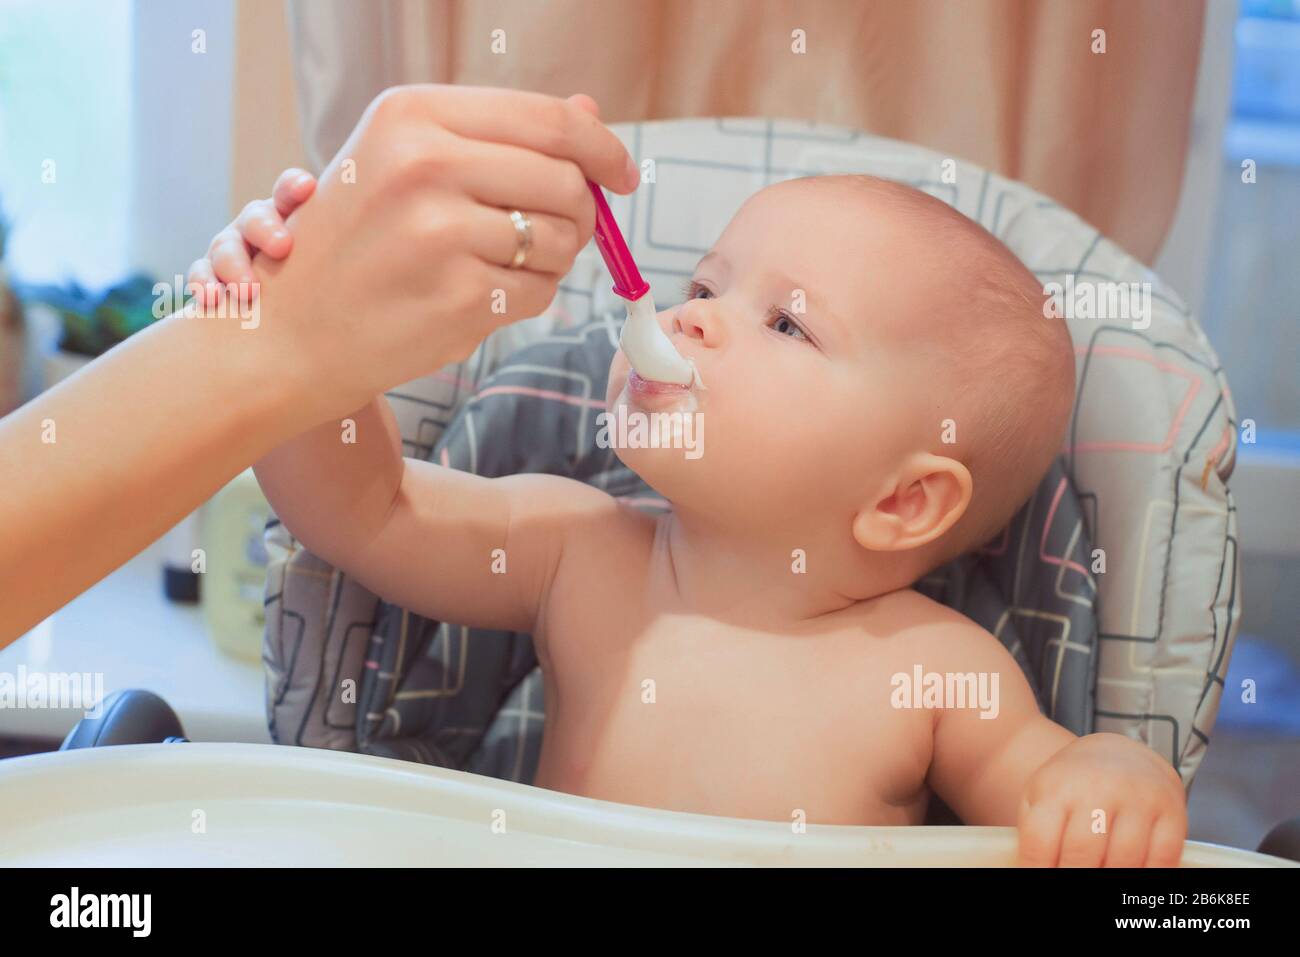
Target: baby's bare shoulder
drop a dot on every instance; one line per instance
(604, 536)
(917, 625)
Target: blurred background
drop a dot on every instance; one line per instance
(132, 130)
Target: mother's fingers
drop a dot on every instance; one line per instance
(525, 293)
(511, 177)
(495, 239)
(535, 121)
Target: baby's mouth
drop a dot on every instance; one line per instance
(649, 387)
(654, 396)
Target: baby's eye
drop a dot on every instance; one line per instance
(781, 321)
(695, 290)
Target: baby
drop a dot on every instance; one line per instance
(882, 392)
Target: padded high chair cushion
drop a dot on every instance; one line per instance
(1115, 587)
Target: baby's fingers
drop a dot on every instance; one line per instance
(202, 282)
(262, 227)
(1167, 839)
(1081, 844)
(1129, 833)
(293, 188)
(230, 258)
(1039, 834)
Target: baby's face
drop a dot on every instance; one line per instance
(807, 324)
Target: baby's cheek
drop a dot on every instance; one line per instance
(618, 370)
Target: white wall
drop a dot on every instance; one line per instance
(181, 131)
(1184, 260)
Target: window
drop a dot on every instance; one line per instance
(65, 138)
(1252, 312)
(115, 133)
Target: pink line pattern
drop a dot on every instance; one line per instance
(462, 384)
(540, 394)
(1047, 525)
(1194, 387)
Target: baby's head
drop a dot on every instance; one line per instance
(881, 383)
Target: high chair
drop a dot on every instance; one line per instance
(1116, 588)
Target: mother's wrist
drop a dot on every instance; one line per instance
(241, 365)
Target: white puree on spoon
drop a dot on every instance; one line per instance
(649, 351)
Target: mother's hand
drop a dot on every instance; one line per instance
(401, 260)
(392, 274)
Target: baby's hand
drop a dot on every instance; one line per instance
(260, 227)
(1103, 801)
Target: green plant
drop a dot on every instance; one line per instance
(92, 323)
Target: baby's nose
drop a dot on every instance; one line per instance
(695, 320)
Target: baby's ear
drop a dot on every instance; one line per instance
(924, 499)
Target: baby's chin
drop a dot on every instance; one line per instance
(661, 439)
(668, 474)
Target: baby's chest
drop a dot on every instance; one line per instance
(704, 716)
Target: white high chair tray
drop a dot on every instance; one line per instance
(265, 805)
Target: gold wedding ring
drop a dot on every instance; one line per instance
(523, 238)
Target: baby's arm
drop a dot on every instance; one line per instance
(1100, 799)
(447, 544)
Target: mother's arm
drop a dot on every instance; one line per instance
(395, 271)
(98, 467)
